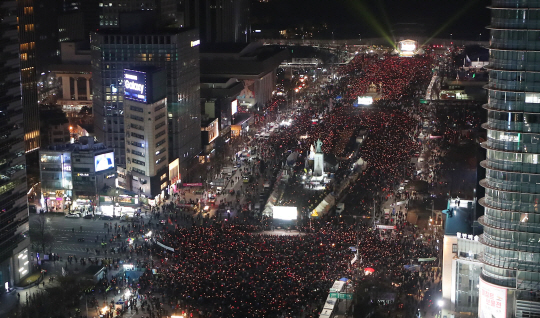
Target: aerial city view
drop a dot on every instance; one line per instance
(269, 158)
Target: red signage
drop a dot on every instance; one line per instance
(192, 184)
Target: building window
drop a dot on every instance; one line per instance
(137, 109)
(160, 125)
(139, 118)
(159, 107)
(136, 144)
(159, 134)
(138, 162)
(137, 135)
(158, 117)
(159, 143)
(138, 153)
(454, 248)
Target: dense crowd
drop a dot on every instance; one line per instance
(232, 270)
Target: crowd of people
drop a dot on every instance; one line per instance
(233, 268)
(237, 270)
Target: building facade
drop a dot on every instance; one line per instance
(224, 21)
(72, 175)
(510, 279)
(175, 52)
(27, 48)
(146, 125)
(14, 240)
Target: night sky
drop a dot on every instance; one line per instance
(465, 19)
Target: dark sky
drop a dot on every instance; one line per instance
(465, 19)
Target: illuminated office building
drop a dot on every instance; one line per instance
(145, 121)
(510, 279)
(176, 52)
(27, 49)
(14, 241)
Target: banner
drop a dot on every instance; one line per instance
(492, 301)
(165, 246)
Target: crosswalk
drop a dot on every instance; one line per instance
(83, 232)
(70, 248)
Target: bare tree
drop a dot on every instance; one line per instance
(40, 234)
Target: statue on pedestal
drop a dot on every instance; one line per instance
(318, 145)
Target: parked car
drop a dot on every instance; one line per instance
(73, 215)
(106, 217)
(88, 216)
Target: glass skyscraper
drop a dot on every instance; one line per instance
(14, 240)
(510, 279)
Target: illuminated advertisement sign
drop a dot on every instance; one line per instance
(234, 106)
(104, 161)
(492, 301)
(286, 213)
(135, 85)
(195, 43)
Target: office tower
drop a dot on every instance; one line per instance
(145, 120)
(224, 21)
(27, 49)
(166, 12)
(174, 51)
(78, 19)
(46, 14)
(14, 240)
(510, 279)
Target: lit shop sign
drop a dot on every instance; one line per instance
(135, 85)
(195, 43)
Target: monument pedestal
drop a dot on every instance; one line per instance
(318, 165)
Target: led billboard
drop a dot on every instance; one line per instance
(234, 106)
(407, 45)
(104, 161)
(286, 213)
(135, 85)
(492, 301)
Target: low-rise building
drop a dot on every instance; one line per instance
(73, 174)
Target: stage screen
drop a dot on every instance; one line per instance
(407, 45)
(104, 161)
(365, 100)
(286, 213)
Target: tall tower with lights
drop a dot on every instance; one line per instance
(14, 239)
(510, 280)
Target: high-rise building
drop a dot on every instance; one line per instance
(510, 279)
(27, 50)
(224, 21)
(14, 240)
(78, 19)
(176, 52)
(145, 119)
(112, 12)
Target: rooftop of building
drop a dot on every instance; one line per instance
(84, 144)
(462, 217)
